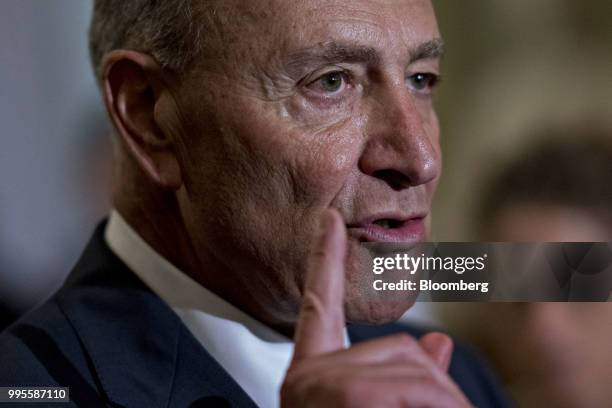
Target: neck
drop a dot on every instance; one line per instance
(157, 219)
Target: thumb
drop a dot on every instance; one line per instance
(439, 347)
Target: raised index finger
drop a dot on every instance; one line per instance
(320, 327)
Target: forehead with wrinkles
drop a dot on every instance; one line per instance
(266, 28)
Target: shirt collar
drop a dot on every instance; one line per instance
(255, 355)
(176, 288)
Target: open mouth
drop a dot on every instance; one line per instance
(389, 223)
(390, 230)
(393, 228)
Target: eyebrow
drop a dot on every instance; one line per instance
(332, 52)
(428, 50)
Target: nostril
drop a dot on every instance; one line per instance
(395, 179)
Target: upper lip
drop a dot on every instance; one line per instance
(391, 215)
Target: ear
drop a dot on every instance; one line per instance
(132, 87)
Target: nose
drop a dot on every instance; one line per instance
(402, 142)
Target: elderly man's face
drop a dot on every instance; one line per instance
(296, 107)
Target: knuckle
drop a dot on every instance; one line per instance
(408, 349)
(312, 306)
(430, 380)
(319, 252)
(319, 256)
(405, 340)
(405, 346)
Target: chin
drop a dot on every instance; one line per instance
(363, 305)
(375, 312)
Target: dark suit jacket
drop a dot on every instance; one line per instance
(6, 316)
(115, 343)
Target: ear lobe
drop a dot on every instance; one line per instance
(132, 88)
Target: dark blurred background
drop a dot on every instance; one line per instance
(515, 73)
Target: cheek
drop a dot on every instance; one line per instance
(327, 143)
(299, 166)
(276, 176)
(432, 127)
(263, 177)
(324, 167)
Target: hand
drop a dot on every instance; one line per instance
(394, 371)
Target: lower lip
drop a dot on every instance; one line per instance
(410, 231)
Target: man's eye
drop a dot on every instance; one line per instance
(330, 83)
(422, 82)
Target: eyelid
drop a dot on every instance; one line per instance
(434, 75)
(315, 76)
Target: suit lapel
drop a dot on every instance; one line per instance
(138, 348)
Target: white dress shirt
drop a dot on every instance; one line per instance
(254, 355)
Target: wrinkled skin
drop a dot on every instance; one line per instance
(265, 146)
(225, 168)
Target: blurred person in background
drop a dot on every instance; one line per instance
(550, 354)
(561, 191)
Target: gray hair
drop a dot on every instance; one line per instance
(166, 29)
